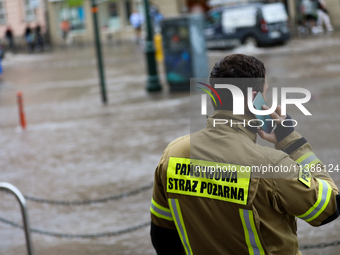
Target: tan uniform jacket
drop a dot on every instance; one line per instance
(237, 211)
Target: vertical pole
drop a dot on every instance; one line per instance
(153, 84)
(292, 14)
(99, 51)
(22, 117)
(47, 24)
(22, 202)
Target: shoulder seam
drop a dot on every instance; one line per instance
(283, 156)
(178, 140)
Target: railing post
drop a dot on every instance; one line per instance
(22, 202)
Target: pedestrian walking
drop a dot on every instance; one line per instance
(212, 194)
(10, 38)
(323, 17)
(136, 20)
(39, 41)
(309, 11)
(29, 38)
(65, 29)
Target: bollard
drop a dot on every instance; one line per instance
(22, 117)
(22, 202)
(158, 47)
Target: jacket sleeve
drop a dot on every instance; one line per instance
(164, 236)
(160, 210)
(307, 191)
(165, 241)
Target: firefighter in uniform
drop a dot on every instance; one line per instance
(195, 210)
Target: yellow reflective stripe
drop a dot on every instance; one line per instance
(314, 162)
(304, 156)
(160, 211)
(328, 198)
(182, 223)
(316, 203)
(154, 212)
(246, 234)
(178, 218)
(324, 196)
(257, 239)
(252, 238)
(159, 206)
(308, 159)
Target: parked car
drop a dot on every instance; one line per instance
(257, 24)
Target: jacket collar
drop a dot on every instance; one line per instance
(239, 122)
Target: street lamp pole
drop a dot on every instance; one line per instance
(153, 84)
(99, 51)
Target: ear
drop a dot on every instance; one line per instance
(253, 95)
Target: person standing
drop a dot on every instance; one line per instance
(217, 191)
(38, 37)
(136, 20)
(323, 16)
(309, 10)
(65, 29)
(29, 37)
(10, 37)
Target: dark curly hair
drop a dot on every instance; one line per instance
(243, 68)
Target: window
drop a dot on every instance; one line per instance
(30, 6)
(114, 20)
(75, 16)
(274, 13)
(239, 17)
(128, 10)
(2, 12)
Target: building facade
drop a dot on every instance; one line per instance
(18, 14)
(113, 15)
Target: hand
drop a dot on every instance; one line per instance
(278, 118)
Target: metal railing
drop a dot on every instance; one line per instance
(22, 202)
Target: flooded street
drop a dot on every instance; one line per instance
(76, 149)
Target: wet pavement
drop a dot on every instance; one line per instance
(76, 149)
